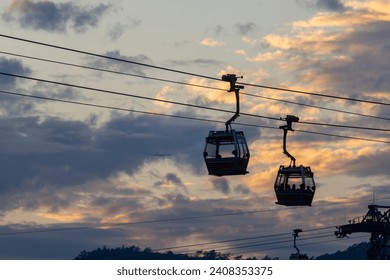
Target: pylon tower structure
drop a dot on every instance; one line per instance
(378, 224)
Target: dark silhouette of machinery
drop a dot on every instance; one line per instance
(297, 255)
(294, 185)
(378, 224)
(226, 152)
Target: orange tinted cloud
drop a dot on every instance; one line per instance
(261, 57)
(359, 12)
(211, 42)
(19, 5)
(62, 217)
(316, 41)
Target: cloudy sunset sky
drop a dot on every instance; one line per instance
(77, 177)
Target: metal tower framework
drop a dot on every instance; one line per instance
(378, 224)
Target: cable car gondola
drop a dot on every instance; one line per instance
(226, 152)
(294, 185)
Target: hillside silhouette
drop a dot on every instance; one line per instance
(354, 252)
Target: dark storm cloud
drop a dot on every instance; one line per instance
(172, 178)
(221, 185)
(11, 66)
(69, 243)
(242, 189)
(118, 29)
(54, 245)
(367, 71)
(216, 31)
(51, 16)
(216, 220)
(59, 154)
(245, 29)
(330, 5)
(212, 223)
(357, 64)
(371, 164)
(120, 64)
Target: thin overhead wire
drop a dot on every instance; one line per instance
(316, 107)
(258, 245)
(300, 245)
(178, 103)
(345, 126)
(188, 73)
(221, 241)
(112, 71)
(193, 85)
(317, 94)
(107, 57)
(343, 136)
(243, 245)
(181, 116)
(274, 239)
(106, 225)
(252, 238)
(250, 245)
(132, 95)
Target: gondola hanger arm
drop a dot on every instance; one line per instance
(232, 79)
(289, 119)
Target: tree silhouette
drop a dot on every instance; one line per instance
(136, 253)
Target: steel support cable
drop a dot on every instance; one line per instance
(184, 117)
(271, 242)
(178, 103)
(131, 95)
(238, 253)
(195, 85)
(112, 107)
(267, 243)
(316, 107)
(277, 242)
(249, 238)
(343, 136)
(303, 244)
(104, 225)
(316, 94)
(113, 71)
(221, 241)
(238, 246)
(185, 72)
(241, 239)
(346, 126)
(249, 244)
(190, 252)
(108, 57)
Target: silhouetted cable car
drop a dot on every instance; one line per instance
(294, 185)
(226, 152)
